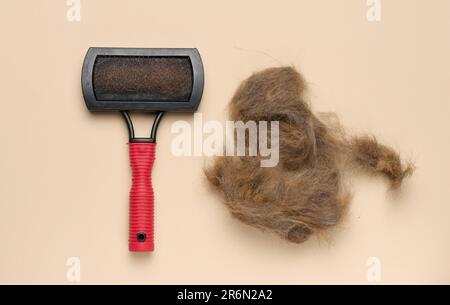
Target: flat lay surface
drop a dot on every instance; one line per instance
(65, 174)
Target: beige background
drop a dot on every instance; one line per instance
(64, 173)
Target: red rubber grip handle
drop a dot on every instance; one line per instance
(142, 157)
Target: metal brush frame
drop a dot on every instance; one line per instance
(145, 106)
(132, 138)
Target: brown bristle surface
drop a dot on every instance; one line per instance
(133, 78)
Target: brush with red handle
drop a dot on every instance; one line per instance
(142, 80)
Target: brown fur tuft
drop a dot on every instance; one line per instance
(380, 159)
(304, 194)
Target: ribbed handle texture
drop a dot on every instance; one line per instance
(142, 157)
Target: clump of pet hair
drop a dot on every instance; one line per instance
(305, 193)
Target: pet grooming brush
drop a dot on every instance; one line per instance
(146, 80)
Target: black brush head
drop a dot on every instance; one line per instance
(142, 79)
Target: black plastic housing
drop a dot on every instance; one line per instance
(94, 104)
